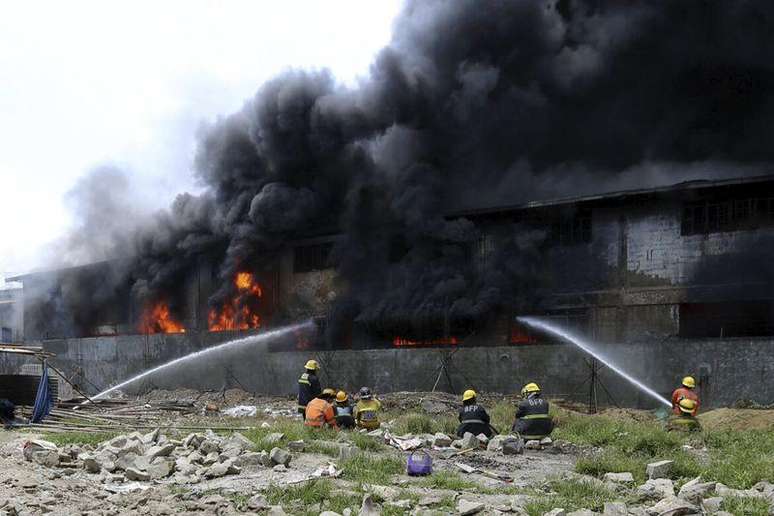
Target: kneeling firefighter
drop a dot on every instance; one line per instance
(473, 417)
(344, 411)
(686, 421)
(532, 419)
(367, 410)
(319, 411)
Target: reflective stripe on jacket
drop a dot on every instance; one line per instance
(344, 416)
(319, 413)
(474, 419)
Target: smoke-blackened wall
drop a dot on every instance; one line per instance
(473, 103)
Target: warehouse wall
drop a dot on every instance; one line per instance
(730, 369)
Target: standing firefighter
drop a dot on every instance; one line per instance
(319, 411)
(532, 419)
(685, 391)
(308, 386)
(685, 421)
(344, 412)
(367, 410)
(473, 418)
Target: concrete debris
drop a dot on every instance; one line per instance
(556, 512)
(673, 507)
(369, 507)
(660, 469)
(37, 445)
(657, 489)
(330, 471)
(136, 474)
(695, 490)
(513, 446)
(241, 411)
(280, 456)
(712, 505)
(546, 441)
(469, 441)
(466, 507)
(483, 439)
(532, 444)
(582, 512)
(49, 458)
(615, 509)
(619, 478)
(258, 503)
(441, 440)
(296, 446)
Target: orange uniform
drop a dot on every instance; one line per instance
(319, 413)
(684, 392)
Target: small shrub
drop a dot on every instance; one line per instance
(81, 438)
(366, 442)
(571, 495)
(414, 423)
(746, 506)
(450, 480)
(369, 470)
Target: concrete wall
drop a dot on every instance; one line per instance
(12, 314)
(729, 370)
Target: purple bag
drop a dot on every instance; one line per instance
(419, 466)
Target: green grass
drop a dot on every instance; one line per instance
(365, 442)
(292, 430)
(371, 470)
(746, 506)
(571, 495)
(451, 480)
(311, 493)
(417, 423)
(738, 459)
(80, 438)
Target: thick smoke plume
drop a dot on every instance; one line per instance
(473, 103)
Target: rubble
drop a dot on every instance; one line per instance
(659, 469)
(465, 507)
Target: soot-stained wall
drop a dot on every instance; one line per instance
(728, 369)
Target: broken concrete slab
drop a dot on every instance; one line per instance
(657, 489)
(467, 507)
(660, 469)
(619, 478)
(673, 506)
(280, 456)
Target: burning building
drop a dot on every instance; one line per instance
(502, 158)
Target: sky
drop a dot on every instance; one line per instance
(91, 83)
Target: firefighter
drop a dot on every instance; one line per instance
(319, 411)
(686, 421)
(367, 410)
(532, 419)
(308, 386)
(473, 418)
(685, 391)
(344, 411)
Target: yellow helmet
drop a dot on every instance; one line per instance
(530, 388)
(312, 365)
(687, 405)
(689, 382)
(341, 397)
(328, 393)
(468, 395)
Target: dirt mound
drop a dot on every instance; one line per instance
(737, 419)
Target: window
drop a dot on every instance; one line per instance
(6, 335)
(572, 230)
(727, 215)
(733, 319)
(313, 257)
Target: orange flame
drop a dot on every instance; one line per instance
(157, 319)
(400, 342)
(520, 336)
(237, 313)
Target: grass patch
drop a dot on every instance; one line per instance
(740, 459)
(443, 479)
(371, 470)
(79, 438)
(365, 442)
(292, 430)
(308, 494)
(746, 506)
(323, 448)
(571, 495)
(416, 423)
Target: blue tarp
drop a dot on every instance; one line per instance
(43, 400)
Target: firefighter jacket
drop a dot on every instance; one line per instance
(319, 413)
(683, 393)
(532, 419)
(474, 419)
(308, 389)
(345, 416)
(367, 414)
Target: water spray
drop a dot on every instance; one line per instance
(581, 343)
(236, 343)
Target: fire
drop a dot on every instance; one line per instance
(157, 319)
(401, 342)
(239, 312)
(521, 336)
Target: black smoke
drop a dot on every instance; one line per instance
(473, 103)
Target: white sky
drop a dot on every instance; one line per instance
(84, 83)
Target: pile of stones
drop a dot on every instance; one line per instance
(154, 456)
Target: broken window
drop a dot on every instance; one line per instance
(572, 229)
(313, 257)
(727, 215)
(731, 319)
